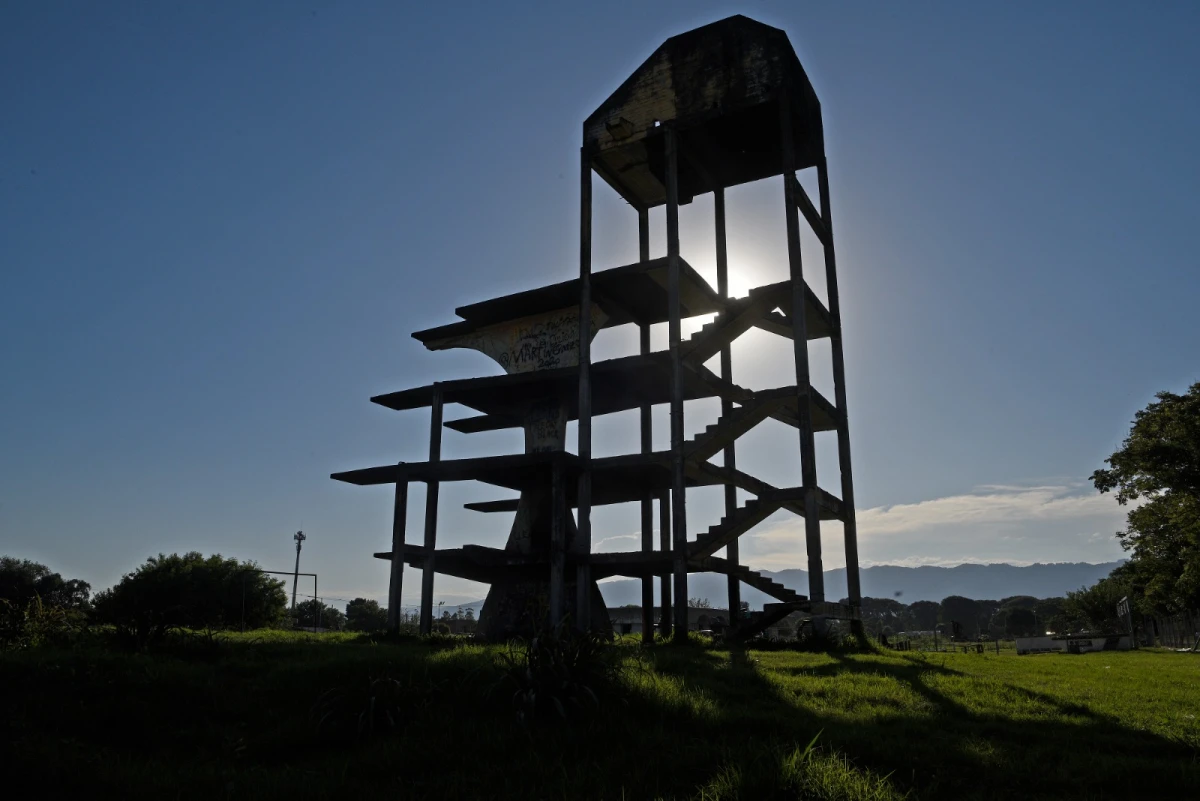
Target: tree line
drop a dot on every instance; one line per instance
(176, 591)
(969, 618)
(193, 591)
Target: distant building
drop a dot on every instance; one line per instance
(628, 619)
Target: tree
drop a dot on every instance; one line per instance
(1096, 607)
(363, 614)
(22, 580)
(998, 625)
(1052, 615)
(38, 605)
(1157, 470)
(315, 613)
(1002, 623)
(922, 616)
(983, 617)
(880, 613)
(1021, 623)
(700, 603)
(964, 611)
(335, 619)
(191, 591)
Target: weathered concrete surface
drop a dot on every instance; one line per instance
(542, 342)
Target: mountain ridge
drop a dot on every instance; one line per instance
(906, 584)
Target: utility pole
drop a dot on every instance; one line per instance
(299, 538)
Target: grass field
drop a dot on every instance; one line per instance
(232, 720)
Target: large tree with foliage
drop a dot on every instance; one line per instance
(966, 612)
(37, 604)
(1052, 615)
(882, 615)
(922, 615)
(1021, 623)
(1095, 607)
(315, 613)
(192, 591)
(1009, 617)
(22, 580)
(363, 614)
(1157, 472)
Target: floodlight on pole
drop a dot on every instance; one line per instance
(299, 538)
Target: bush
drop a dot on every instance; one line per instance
(34, 624)
(190, 591)
(363, 614)
(21, 581)
(315, 613)
(1096, 606)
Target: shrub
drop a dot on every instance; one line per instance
(22, 580)
(190, 591)
(35, 624)
(363, 614)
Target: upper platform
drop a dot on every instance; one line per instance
(719, 87)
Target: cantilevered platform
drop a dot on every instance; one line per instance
(634, 293)
(480, 563)
(617, 385)
(615, 479)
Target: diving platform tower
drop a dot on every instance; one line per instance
(716, 107)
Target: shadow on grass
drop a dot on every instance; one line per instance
(942, 732)
(688, 722)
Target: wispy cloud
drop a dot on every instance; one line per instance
(990, 504)
(600, 543)
(993, 523)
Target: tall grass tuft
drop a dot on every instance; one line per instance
(779, 772)
(560, 672)
(370, 708)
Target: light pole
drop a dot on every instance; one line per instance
(299, 538)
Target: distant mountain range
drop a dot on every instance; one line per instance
(904, 584)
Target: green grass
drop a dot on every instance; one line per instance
(231, 719)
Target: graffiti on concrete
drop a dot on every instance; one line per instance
(546, 427)
(541, 342)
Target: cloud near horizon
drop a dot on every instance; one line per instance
(988, 504)
(993, 523)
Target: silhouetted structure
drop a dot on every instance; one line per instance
(718, 106)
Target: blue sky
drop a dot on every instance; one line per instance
(219, 224)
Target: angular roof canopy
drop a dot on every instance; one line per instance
(719, 87)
